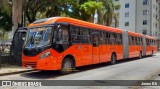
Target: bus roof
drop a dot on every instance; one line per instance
(76, 22)
(135, 34)
(72, 21)
(149, 37)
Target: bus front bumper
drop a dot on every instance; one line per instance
(41, 64)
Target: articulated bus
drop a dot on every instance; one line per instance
(62, 43)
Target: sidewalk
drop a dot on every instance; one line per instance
(8, 70)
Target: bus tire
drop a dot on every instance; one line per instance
(113, 59)
(67, 66)
(140, 55)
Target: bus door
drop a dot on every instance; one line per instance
(95, 48)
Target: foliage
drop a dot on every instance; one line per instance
(5, 16)
(90, 8)
(38, 9)
(5, 21)
(3, 35)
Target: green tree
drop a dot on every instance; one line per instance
(5, 16)
(90, 9)
(108, 11)
(106, 14)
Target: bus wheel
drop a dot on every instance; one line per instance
(140, 55)
(113, 59)
(67, 66)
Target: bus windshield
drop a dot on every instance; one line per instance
(37, 37)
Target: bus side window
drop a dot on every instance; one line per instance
(139, 41)
(59, 36)
(107, 38)
(63, 35)
(115, 38)
(54, 36)
(136, 41)
(119, 39)
(130, 40)
(102, 37)
(85, 35)
(95, 40)
(147, 41)
(75, 35)
(133, 42)
(111, 38)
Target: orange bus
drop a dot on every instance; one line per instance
(151, 45)
(62, 43)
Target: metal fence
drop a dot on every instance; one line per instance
(5, 57)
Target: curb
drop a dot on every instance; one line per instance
(16, 72)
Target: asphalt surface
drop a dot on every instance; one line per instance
(147, 68)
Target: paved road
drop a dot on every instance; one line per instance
(133, 69)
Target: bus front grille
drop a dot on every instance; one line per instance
(30, 64)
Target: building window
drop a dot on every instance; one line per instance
(145, 12)
(156, 8)
(157, 17)
(145, 22)
(126, 23)
(145, 2)
(156, 25)
(127, 14)
(127, 5)
(144, 32)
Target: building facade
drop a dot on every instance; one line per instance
(141, 16)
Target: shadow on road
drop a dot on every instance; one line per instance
(53, 74)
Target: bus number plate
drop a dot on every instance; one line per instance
(29, 67)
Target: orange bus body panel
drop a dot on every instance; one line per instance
(134, 50)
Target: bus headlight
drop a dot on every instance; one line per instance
(47, 54)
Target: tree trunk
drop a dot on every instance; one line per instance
(100, 17)
(108, 22)
(17, 9)
(116, 22)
